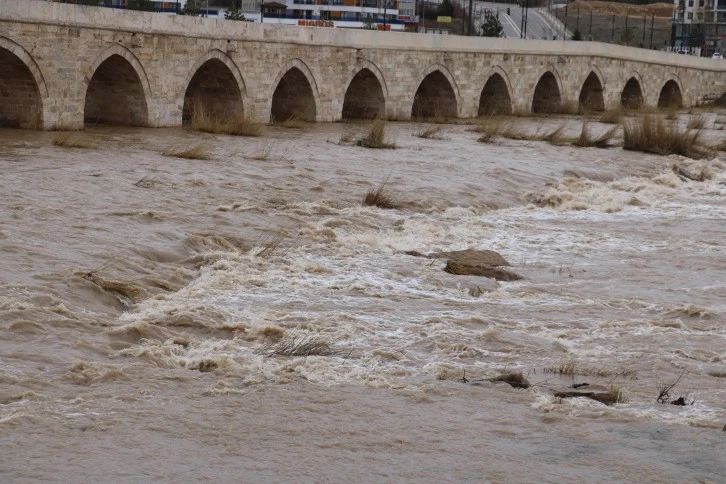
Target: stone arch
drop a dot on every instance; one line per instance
(216, 85)
(295, 94)
(547, 96)
(117, 89)
(671, 94)
(632, 94)
(367, 93)
(592, 95)
(437, 94)
(22, 87)
(496, 95)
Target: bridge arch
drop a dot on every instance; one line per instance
(437, 95)
(216, 85)
(592, 93)
(22, 87)
(367, 93)
(117, 89)
(496, 95)
(671, 94)
(295, 94)
(547, 96)
(632, 94)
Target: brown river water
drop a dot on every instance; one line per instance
(139, 293)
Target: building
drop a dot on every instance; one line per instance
(699, 25)
(352, 14)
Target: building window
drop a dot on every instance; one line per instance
(690, 15)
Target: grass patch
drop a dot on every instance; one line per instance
(651, 134)
(197, 152)
(265, 153)
(293, 122)
(236, 125)
(556, 136)
(380, 197)
(612, 116)
(376, 137)
(697, 122)
(71, 139)
(297, 346)
(490, 128)
(270, 245)
(588, 140)
(430, 132)
(616, 394)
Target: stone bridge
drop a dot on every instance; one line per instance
(62, 66)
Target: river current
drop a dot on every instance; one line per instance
(142, 296)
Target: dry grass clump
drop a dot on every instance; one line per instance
(430, 132)
(588, 140)
(236, 125)
(380, 197)
(297, 345)
(124, 291)
(71, 139)
(494, 126)
(197, 152)
(698, 122)
(612, 116)
(616, 394)
(556, 136)
(376, 137)
(293, 122)
(270, 245)
(651, 134)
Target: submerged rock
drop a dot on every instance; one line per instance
(453, 267)
(470, 262)
(517, 380)
(594, 392)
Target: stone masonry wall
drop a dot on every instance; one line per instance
(63, 45)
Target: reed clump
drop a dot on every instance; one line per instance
(697, 122)
(376, 137)
(612, 116)
(651, 134)
(196, 152)
(293, 122)
(588, 140)
(430, 132)
(297, 346)
(235, 125)
(126, 292)
(492, 127)
(380, 197)
(71, 139)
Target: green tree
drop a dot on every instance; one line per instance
(492, 27)
(234, 14)
(146, 5)
(446, 9)
(368, 24)
(627, 36)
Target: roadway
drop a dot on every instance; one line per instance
(539, 25)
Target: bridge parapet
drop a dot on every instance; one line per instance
(149, 64)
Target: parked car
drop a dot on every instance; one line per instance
(717, 55)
